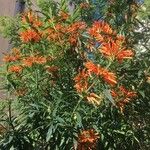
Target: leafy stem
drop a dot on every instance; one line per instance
(79, 101)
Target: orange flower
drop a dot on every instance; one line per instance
(37, 23)
(123, 92)
(27, 16)
(88, 136)
(87, 139)
(92, 68)
(15, 51)
(84, 5)
(55, 34)
(21, 92)
(60, 28)
(114, 50)
(28, 62)
(53, 71)
(14, 56)
(120, 38)
(51, 34)
(127, 93)
(74, 30)
(77, 26)
(64, 15)
(81, 83)
(114, 94)
(9, 58)
(30, 17)
(29, 35)
(125, 54)
(52, 68)
(40, 60)
(94, 99)
(98, 29)
(123, 97)
(107, 76)
(15, 69)
(73, 39)
(110, 49)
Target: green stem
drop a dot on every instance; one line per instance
(79, 101)
(9, 105)
(36, 79)
(109, 64)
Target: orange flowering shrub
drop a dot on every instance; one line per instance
(66, 75)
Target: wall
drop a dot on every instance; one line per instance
(7, 8)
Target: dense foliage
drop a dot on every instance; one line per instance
(76, 79)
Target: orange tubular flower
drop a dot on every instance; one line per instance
(74, 30)
(64, 15)
(114, 93)
(127, 93)
(29, 61)
(52, 69)
(14, 56)
(98, 29)
(92, 68)
(94, 99)
(37, 23)
(110, 50)
(84, 5)
(81, 83)
(21, 92)
(123, 97)
(107, 76)
(29, 35)
(55, 34)
(125, 54)
(9, 58)
(113, 50)
(15, 69)
(87, 140)
(75, 27)
(73, 39)
(40, 60)
(30, 17)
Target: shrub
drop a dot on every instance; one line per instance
(74, 80)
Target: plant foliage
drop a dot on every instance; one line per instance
(76, 78)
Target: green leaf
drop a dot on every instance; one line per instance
(75, 144)
(120, 132)
(142, 93)
(108, 95)
(49, 133)
(62, 141)
(79, 119)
